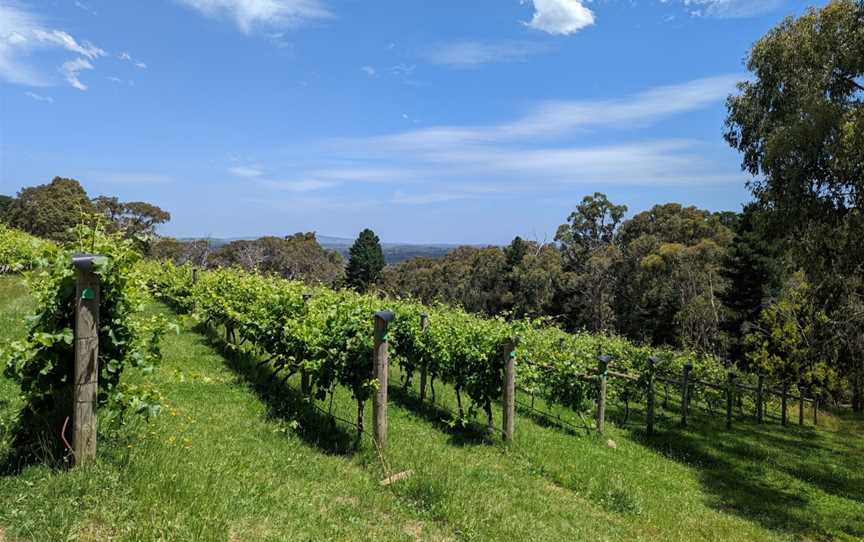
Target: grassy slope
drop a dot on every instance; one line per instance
(234, 457)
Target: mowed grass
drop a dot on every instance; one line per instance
(238, 455)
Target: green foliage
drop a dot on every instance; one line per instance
(43, 362)
(5, 203)
(50, 210)
(366, 261)
(21, 252)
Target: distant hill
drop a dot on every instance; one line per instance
(393, 252)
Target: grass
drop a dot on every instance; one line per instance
(236, 455)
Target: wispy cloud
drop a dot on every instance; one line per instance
(128, 58)
(72, 68)
(39, 97)
(245, 171)
(369, 70)
(556, 118)
(250, 13)
(731, 8)
(299, 186)
(82, 6)
(466, 54)
(21, 32)
(560, 17)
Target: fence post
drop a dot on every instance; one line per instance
(784, 416)
(509, 399)
(730, 383)
(685, 393)
(602, 375)
(424, 370)
(86, 384)
(381, 371)
(760, 405)
(305, 385)
(815, 410)
(800, 404)
(652, 367)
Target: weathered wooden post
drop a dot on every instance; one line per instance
(305, 385)
(86, 374)
(194, 276)
(381, 370)
(800, 404)
(784, 416)
(424, 370)
(509, 399)
(652, 367)
(685, 393)
(602, 375)
(760, 405)
(815, 410)
(730, 390)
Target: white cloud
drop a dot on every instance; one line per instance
(369, 70)
(245, 171)
(21, 33)
(731, 8)
(39, 97)
(250, 13)
(560, 117)
(560, 17)
(128, 58)
(306, 185)
(72, 68)
(474, 53)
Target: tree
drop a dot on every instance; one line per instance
(5, 203)
(50, 210)
(799, 123)
(590, 250)
(366, 261)
(669, 278)
(135, 219)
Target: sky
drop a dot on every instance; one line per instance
(446, 121)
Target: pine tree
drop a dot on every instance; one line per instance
(366, 261)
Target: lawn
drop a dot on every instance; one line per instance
(236, 455)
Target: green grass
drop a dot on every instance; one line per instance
(238, 456)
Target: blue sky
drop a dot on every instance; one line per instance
(467, 121)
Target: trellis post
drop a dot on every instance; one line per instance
(730, 389)
(602, 375)
(380, 368)
(815, 410)
(800, 404)
(509, 398)
(685, 393)
(760, 404)
(784, 416)
(86, 370)
(652, 367)
(305, 385)
(424, 370)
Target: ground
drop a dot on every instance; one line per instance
(235, 455)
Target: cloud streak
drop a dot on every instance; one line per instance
(248, 14)
(21, 33)
(469, 54)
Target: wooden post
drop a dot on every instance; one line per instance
(760, 405)
(86, 375)
(424, 371)
(194, 276)
(784, 417)
(652, 367)
(381, 370)
(730, 384)
(509, 399)
(602, 375)
(305, 385)
(815, 411)
(685, 393)
(800, 404)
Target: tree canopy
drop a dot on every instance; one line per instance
(366, 261)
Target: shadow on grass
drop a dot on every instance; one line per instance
(740, 469)
(283, 402)
(471, 433)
